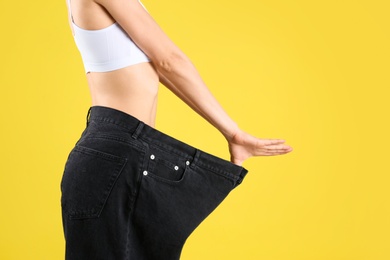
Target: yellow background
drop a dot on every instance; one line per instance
(313, 72)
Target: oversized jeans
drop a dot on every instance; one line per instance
(132, 192)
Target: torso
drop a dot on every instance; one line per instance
(132, 89)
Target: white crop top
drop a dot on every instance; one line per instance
(106, 49)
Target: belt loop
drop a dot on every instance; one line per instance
(88, 115)
(196, 158)
(138, 130)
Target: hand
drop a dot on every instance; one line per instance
(243, 146)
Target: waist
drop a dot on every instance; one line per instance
(137, 129)
(133, 89)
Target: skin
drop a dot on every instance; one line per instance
(134, 89)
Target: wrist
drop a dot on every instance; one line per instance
(230, 131)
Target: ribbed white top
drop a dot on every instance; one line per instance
(107, 49)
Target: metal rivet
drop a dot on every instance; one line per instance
(145, 173)
(152, 157)
(187, 162)
(176, 168)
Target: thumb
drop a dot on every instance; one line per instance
(236, 161)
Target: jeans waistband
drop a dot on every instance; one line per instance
(139, 129)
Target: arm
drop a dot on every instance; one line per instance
(241, 144)
(178, 74)
(169, 61)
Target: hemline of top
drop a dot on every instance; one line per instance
(107, 67)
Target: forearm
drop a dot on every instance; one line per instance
(181, 77)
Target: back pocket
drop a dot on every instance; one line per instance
(88, 179)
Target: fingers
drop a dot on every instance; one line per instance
(277, 149)
(271, 141)
(275, 152)
(244, 146)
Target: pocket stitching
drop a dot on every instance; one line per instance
(90, 151)
(120, 164)
(171, 182)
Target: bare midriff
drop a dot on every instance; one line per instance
(132, 89)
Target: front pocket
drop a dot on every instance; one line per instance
(165, 170)
(88, 179)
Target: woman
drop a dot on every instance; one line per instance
(128, 190)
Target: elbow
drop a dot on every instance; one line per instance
(171, 63)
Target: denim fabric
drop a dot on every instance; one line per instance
(132, 192)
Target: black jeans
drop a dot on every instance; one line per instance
(130, 191)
